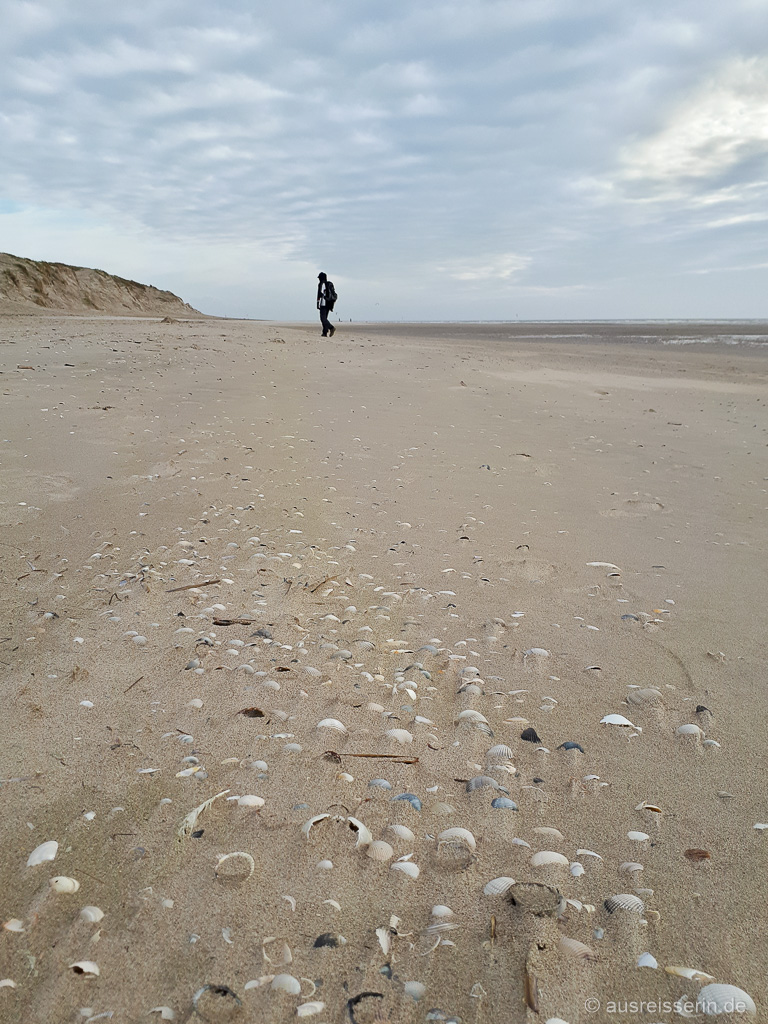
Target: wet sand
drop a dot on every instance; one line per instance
(413, 522)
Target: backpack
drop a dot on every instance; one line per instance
(330, 295)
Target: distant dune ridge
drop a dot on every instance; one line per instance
(35, 286)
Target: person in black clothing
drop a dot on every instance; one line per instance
(325, 306)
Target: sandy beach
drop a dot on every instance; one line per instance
(394, 581)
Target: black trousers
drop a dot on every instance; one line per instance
(327, 326)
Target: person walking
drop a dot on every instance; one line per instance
(326, 296)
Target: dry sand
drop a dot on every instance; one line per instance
(399, 515)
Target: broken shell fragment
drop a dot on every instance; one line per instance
(689, 973)
(406, 867)
(250, 801)
(85, 967)
(44, 852)
(286, 983)
(309, 1009)
(619, 720)
(239, 868)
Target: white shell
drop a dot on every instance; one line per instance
(624, 901)
(588, 853)
(689, 730)
(309, 1009)
(440, 910)
(332, 723)
(546, 830)
(325, 865)
(86, 967)
(638, 837)
(577, 870)
(547, 857)
(42, 853)
(60, 883)
(364, 837)
(715, 999)
(462, 834)
(91, 914)
(250, 801)
(223, 858)
(406, 867)
(690, 974)
(647, 960)
(414, 989)
(402, 832)
(629, 867)
(7, 983)
(399, 735)
(379, 850)
(313, 821)
(619, 720)
(166, 1013)
(471, 715)
(286, 983)
(498, 886)
(14, 925)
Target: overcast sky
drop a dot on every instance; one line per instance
(440, 159)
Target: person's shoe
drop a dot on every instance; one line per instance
(333, 331)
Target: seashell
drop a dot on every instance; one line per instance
(309, 1009)
(166, 1013)
(305, 828)
(410, 798)
(624, 901)
(325, 865)
(441, 911)
(7, 983)
(638, 837)
(61, 883)
(189, 822)
(715, 999)
(462, 835)
(44, 852)
(570, 745)
(500, 750)
(379, 850)
(444, 809)
(689, 973)
(265, 979)
(344, 777)
(645, 806)
(588, 853)
(250, 801)
(471, 715)
(536, 650)
(364, 836)
(332, 723)
(406, 867)
(481, 781)
(286, 983)
(504, 803)
(645, 695)
(697, 855)
(629, 867)
(401, 736)
(380, 784)
(415, 990)
(92, 915)
(530, 735)
(240, 867)
(498, 886)
(14, 925)
(619, 720)
(647, 960)
(577, 870)
(85, 967)
(547, 858)
(689, 730)
(576, 949)
(402, 832)
(547, 830)
(284, 957)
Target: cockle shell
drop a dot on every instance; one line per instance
(546, 830)
(689, 730)
(461, 835)
(407, 867)
(717, 998)
(624, 901)
(44, 852)
(332, 723)
(440, 910)
(500, 750)
(402, 832)
(401, 736)
(576, 949)
(61, 883)
(547, 858)
(498, 886)
(379, 850)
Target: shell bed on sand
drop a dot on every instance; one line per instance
(414, 676)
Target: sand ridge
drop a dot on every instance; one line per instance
(217, 536)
